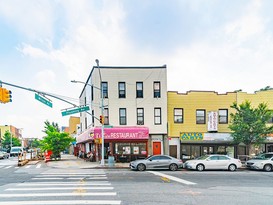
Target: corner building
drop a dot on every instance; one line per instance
(135, 112)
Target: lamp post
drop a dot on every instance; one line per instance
(102, 109)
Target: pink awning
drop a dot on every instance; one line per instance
(85, 136)
(124, 133)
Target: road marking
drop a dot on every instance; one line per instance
(71, 175)
(61, 202)
(38, 166)
(58, 194)
(59, 188)
(7, 167)
(27, 167)
(101, 183)
(172, 178)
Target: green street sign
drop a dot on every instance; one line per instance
(77, 110)
(43, 100)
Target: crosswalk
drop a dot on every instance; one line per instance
(65, 187)
(37, 166)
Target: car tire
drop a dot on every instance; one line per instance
(141, 167)
(173, 167)
(200, 167)
(232, 167)
(268, 167)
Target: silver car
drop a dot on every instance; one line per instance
(262, 162)
(213, 162)
(4, 155)
(157, 162)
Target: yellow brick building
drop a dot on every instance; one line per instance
(198, 122)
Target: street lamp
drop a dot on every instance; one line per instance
(102, 108)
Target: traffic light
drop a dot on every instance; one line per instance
(1, 91)
(102, 119)
(6, 96)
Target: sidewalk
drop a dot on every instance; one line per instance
(72, 161)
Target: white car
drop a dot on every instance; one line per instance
(263, 162)
(4, 155)
(214, 161)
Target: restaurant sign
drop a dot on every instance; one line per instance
(191, 136)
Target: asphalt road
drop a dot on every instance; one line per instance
(42, 184)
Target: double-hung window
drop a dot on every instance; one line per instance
(106, 116)
(139, 89)
(122, 116)
(178, 115)
(104, 86)
(121, 90)
(200, 116)
(157, 93)
(140, 116)
(223, 116)
(157, 116)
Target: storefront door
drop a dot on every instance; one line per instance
(156, 148)
(207, 150)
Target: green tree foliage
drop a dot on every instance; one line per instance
(249, 125)
(55, 140)
(7, 138)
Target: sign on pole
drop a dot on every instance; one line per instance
(76, 110)
(43, 100)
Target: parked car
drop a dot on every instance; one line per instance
(157, 162)
(4, 155)
(15, 151)
(261, 162)
(214, 161)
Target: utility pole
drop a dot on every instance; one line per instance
(102, 109)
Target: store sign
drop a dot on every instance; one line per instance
(123, 133)
(191, 136)
(212, 121)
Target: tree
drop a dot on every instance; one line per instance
(249, 125)
(55, 140)
(6, 141)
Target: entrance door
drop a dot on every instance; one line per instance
(173, 151)
(156, 148)
(207, 150)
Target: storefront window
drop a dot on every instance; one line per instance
(130, 148)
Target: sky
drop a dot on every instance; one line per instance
(208, 45)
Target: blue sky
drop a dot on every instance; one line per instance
(212, 45)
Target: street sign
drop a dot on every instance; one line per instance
(43, 100)
(73, 111)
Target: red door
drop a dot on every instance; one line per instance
(156, 148)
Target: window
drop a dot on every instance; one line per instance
(122, 116)
(200, 117)
(121, 90)
(140, 116)
(104, 86)
(157, 115)
(178, 115)
(139, 90)
(223, 116)
(93, 118)
(106, 116)
(157, 90)
(92, 93)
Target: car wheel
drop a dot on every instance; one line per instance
(268, 167)
(141, 167)
(173, 167)
(232, 167)
(200, 167)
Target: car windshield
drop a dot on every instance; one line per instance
(15, 149)
(263, 156)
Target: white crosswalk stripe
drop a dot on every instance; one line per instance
(70, 188)
(23, 167)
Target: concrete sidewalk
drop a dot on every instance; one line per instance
(74, 162)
